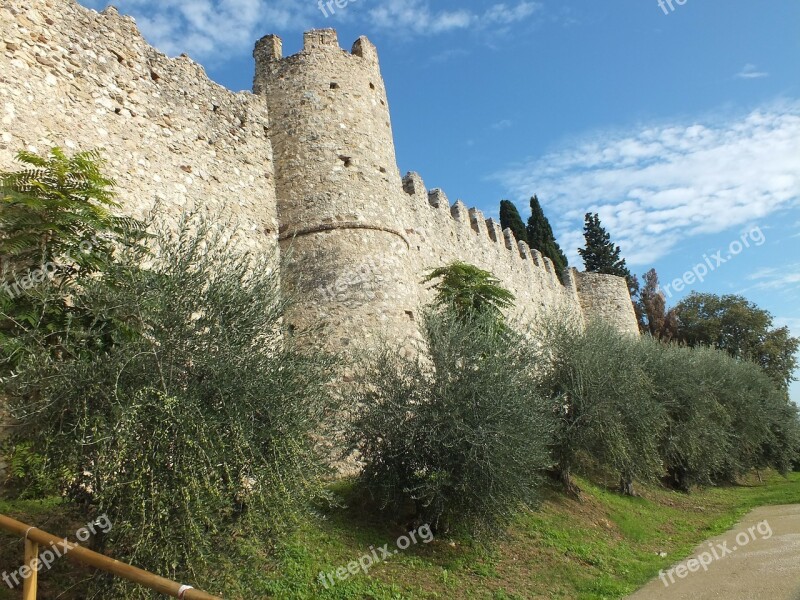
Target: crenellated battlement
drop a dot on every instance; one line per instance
(320, 39)
(321, 57)
(269, 49)
(485, 232)
(365, 49)
(495, 230)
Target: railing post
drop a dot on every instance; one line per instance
(32, 562)
(76, 553)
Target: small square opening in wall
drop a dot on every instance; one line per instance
(410, 315)
(371, 85)
(348, 162)
(334, 85)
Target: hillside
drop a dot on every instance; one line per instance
(602, 548)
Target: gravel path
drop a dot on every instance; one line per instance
(759, 559)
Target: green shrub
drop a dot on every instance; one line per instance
(695, 444)
(725, 417)
(27, 474)
(763, 421)
(605, 403)
(783, 453)
(194, 427)
(55, 206)
(457, 436)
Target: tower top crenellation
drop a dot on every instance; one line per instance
(270, 47)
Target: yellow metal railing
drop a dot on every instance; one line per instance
(34, 537)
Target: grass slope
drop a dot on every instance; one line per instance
(602, 548)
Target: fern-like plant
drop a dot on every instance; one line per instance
(56, 230)
(58, 210)
(469, 290)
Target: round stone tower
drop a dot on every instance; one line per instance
(340, 198)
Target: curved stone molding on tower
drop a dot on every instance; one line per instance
(338, 186)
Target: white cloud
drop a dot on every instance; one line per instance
(502, 124)
(776, 278)
(750, 71)
(659, 184)
(208, 29)
(506, 15)
(417, 16)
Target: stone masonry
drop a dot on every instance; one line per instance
(81, 80)
(359, 237)
(305, 167)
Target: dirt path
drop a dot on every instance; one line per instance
(759, 559)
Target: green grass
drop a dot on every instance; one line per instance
(602, 548)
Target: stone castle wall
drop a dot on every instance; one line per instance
(361, 238)
(357, 238)
(606, 298)
(74, 78)
(449, 233)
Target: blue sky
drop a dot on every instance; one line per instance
(681, 126)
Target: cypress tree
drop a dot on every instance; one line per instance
(600, 254)
(541, 238)
(509, 218)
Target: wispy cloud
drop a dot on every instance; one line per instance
(448, 55)
(793, 323)
(776, 278)
(418, 17)
(502, 124)
(656, 185)
(208, 29)
(503, 14)
(750, 71)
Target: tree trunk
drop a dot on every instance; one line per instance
(626, 486)
(569, 486)
(678, 479)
